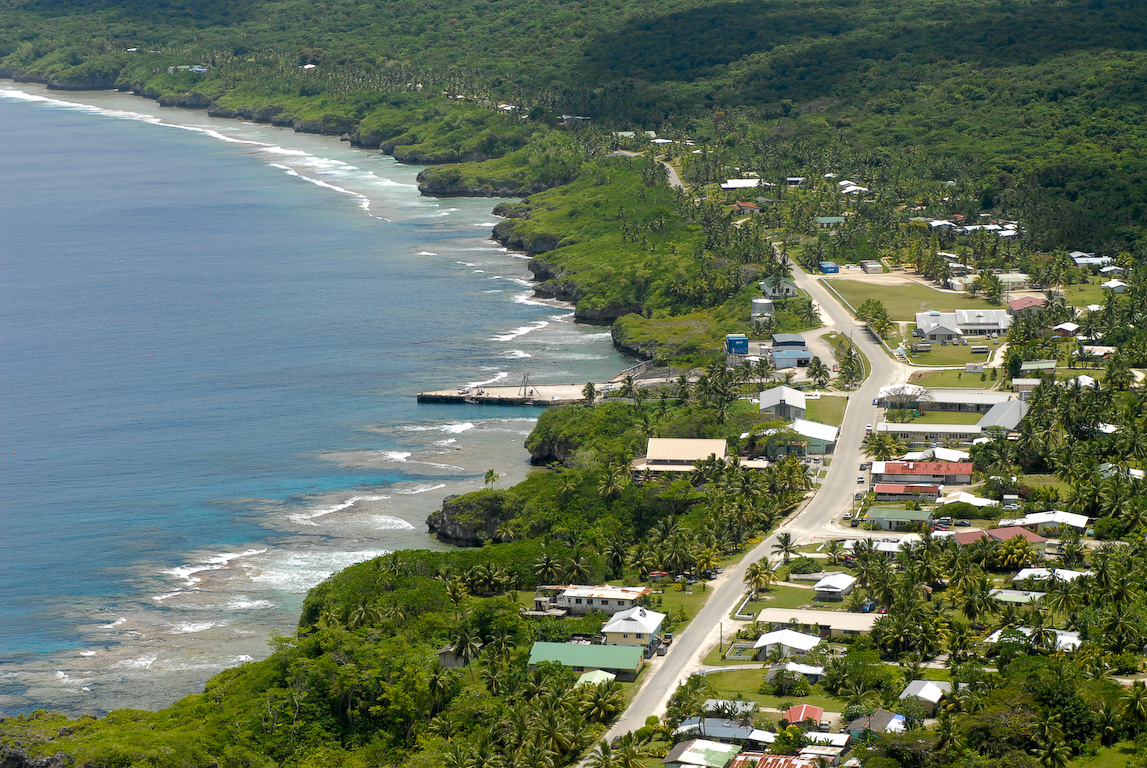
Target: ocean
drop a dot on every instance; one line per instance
(212, 333)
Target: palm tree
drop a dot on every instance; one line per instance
(466, 644)
(833, 549)
(589, 392)
(578, 568)
(546, 567)
(759, 576)
(819, 372)
(1135, 705)
(491, 478)
(707, 561)
(602, 756)
(785, 546)
(601, 702)
(882, 446)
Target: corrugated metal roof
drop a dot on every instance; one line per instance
(581, 655)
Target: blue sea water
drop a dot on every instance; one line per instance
(211, 336)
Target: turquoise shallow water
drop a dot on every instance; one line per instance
(211, 335)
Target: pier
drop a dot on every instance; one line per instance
(531, 394)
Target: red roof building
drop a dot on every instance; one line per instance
(765, 760)
(802, 712)
(926, 472)
(1015, 306)
(885, 491)
(1004, 534)
(964, 538)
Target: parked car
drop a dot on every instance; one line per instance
(858, 496)
(667, 638)
(868, 607)
(1011, 507)
(882, 609)
(662, 650)
(963, 523)
(863, 466)
(860, 479)
(868, 429)
(848, 515)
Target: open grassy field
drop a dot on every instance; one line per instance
(826, 410)
(1047, 481)
(952, 354)
(1116, 756)
(954, 379)
(782, 597)
(746, 682)
(1085, 293)
(904, 301)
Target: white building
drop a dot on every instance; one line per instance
(787, 641)
(635, 626)
(834, 587)
(783, 402)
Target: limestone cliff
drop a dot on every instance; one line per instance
(469, 520)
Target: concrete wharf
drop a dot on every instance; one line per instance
(533, 394)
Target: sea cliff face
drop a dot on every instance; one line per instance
(470, 520)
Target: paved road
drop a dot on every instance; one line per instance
(813, 520)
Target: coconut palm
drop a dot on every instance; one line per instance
(819, 372)
(785, 546)
(760, 576)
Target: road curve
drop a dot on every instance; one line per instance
(815, 518)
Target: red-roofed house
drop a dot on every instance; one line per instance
(905, 491)
(743, 207)
(802, 712)
(1004, 534)
(964, 538)
(1025, 304)
(765, 760)
(925, 472)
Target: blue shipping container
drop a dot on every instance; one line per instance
(737, 344)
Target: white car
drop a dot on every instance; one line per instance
(847, 515)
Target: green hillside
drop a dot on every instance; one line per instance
(1040, 102)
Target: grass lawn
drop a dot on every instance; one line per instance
(928, 673)
(904, 301)
(954, 379)
(782, 597)
(952, 354)
(826, 410)
(746, 682)
(1047, 481)
(1084, 294)
(947, 417)
(671, 601)
(1108, 757)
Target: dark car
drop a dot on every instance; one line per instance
(868, 607)
(963, 523)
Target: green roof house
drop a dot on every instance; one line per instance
(898, 519)
(700, 753)
(625, 661)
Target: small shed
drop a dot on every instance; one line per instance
(828, 268)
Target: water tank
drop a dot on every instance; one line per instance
(762, 307)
